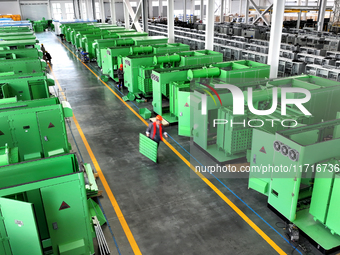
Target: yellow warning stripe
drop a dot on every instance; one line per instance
(212, 186)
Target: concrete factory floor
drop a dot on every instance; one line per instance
(163, 208)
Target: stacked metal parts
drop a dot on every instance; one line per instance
(45, 190)
(302, 50)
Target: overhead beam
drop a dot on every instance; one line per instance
(296, 7)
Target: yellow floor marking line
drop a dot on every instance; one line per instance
(107, 188)
(212, 186)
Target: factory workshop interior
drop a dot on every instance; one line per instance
(169, 127)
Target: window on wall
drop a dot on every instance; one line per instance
(56, 10)
(69, 10)
(97, 11)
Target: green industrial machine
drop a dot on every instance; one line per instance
(22, 53)
(66, 29)
(11, 75)
(137, 80)
(14, 29)
(121, 55)
(20, 44)
(88, 39)
(4, 35)
(219, 140)
(40, 25)
(37, 127)
(237, 72)
(22, 65)
(70, 30)
(135, 34)
(137, 69)
(18, 37)
(84, 30)
(29, 88)
(78, 33)
(163, 77)
(45, 211)
(99, 46)
(307, 191)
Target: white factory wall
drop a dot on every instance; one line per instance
(9, 7)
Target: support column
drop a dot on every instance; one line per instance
(113, 12)
(88, 12)
(299, 16)
(304, 15)
(209, 30)
(75, 9)
(202, 10)
(275, 37)
(126, 16)
(102, 10)
(81, 9)
(145, 14)
(151, 14)
(247, 12)
(171, 23)
(160, 8)
(49, 9)
(321, 15)
(93, 10)
(222, 11)
(192, 10)
(240, 11)
(185, 10)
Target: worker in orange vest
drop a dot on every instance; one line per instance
(155, 130)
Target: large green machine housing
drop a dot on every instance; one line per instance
(22, 53)
(100, 46)
(30, 88)
(22, 65)
(137, 83)
(45, 210)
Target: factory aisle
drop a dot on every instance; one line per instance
(166, 208)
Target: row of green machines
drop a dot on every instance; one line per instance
(44, 188)
(191, 80)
